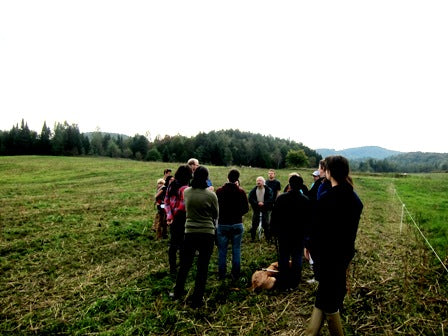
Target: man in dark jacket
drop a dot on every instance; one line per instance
(290, 215)
(261, 198)
(233, 205)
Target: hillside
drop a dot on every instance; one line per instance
(357, 153)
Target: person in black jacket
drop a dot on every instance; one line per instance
(233, 204)
(312, 194)
(333, 235)
(261, 198)
(290, 215)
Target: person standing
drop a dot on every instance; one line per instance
(261, 199)
(315, 176)
(319, 178)
(303, 188)
(166, 173)
(159, 226)
(175, 213)
(194, 163)
(202, 210)
(233, 204)
(333, 236)
(273, 183)
(290, 216)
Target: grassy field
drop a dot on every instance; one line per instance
(77, 257)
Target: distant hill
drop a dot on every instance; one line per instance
(358, 153)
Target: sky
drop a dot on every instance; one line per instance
(328, 74)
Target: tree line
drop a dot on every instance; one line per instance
(223, 148)
(414, 162)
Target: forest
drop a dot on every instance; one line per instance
(220, 148)
(224, 148)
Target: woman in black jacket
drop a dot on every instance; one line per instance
(290, 216)
(333, 235)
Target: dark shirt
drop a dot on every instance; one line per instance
(274, 185)
(268, 199)
(290, 215)
(233, 204)
(334, 231)
(312, 193)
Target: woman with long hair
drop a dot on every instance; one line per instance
(202, 211)
(333, 237)
(175, 213)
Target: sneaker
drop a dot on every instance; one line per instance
(311, 281)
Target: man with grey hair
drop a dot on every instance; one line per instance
(261, 198)
(194, 163)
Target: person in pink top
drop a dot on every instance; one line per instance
(175, 213)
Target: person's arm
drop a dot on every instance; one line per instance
(244, 202)
(168, 211)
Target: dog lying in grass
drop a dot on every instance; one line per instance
(265, 279)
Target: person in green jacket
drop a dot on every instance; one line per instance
(201, 206)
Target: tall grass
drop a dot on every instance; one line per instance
(77, 257)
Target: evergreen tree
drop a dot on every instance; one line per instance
(45, 140)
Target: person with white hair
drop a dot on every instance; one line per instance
(194, 163)
(261, 199)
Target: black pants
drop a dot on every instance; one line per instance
(203, 243)
(332, 286)
(265, 219)
(177, 233)
(290, 248)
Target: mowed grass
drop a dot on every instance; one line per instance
(77, 257)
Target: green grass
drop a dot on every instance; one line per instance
(425, 198)
(77, 257)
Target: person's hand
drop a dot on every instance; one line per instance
(169, 221)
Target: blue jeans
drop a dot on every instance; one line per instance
(234, 234)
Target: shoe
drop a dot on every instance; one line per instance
(311, 281)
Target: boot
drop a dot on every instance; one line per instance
(317, 317)
(334, 324)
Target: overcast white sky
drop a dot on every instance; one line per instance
(329, 74)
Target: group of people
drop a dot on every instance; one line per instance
(320, 223)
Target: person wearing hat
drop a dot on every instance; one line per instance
(319, 178)
(316, 176)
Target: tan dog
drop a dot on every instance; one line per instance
(265, 279)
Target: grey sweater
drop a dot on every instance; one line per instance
(202, 210)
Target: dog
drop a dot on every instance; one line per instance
(265, 279)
